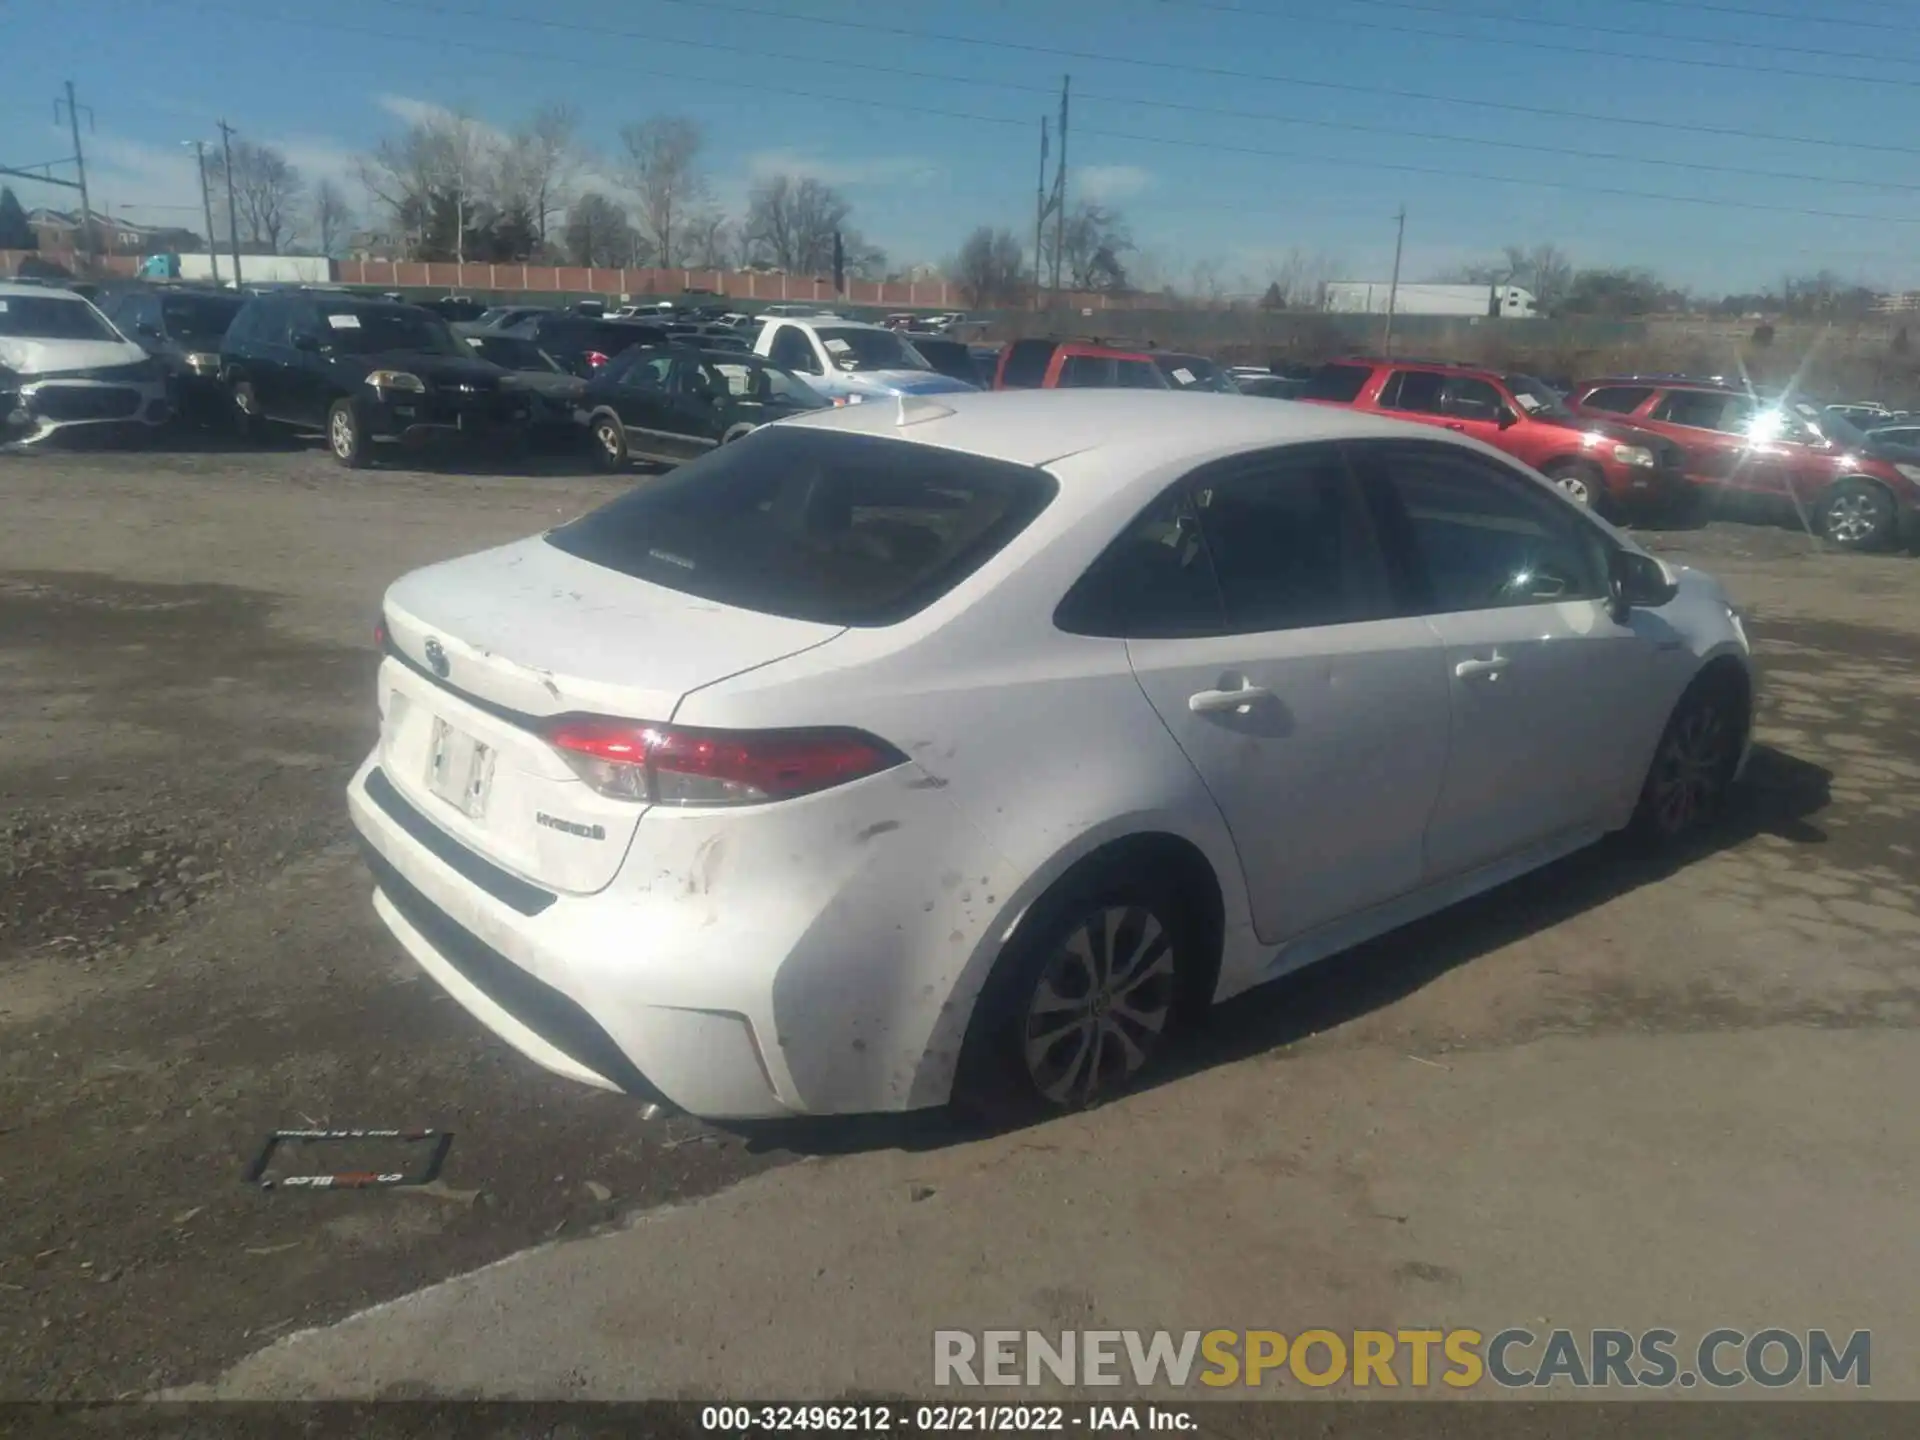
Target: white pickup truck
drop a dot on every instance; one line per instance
(848, 361)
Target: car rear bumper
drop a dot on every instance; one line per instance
(784, 972)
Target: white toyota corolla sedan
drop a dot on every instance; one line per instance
(959, 748)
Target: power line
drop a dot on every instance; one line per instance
(1221, 72)
(1397, 132)
(1576, 186)
(1904, 28)
(1531, 23)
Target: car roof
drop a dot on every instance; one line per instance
(1039, 427)
(1663, 383)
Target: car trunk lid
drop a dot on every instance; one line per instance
(484, 651)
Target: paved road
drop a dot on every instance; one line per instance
(1603, 1096)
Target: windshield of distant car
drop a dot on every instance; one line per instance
(202, 318)
(53, 317)
(1537, 398)
(1838, 428)
(375, 331)
(513, 353)
(854, 349)
(1191, 372)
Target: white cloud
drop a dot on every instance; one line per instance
(875, 170)
(1108, 183)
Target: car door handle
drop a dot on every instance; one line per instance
(1213, 702)
(1455, 425)
(1489, 669)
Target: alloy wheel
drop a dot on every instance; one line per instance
(340, 430)
(1852, 518)
(1576, 487)
(609, 438)
(1690, 769)
(1101, 1005)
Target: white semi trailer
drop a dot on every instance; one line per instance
(1370, 297)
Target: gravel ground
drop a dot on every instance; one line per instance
(188, 958)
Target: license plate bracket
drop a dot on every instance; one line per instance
(459, 769)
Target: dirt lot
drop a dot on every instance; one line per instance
(188, 959)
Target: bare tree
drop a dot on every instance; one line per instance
(537, 167)
(791, 222)
(332, 215)
(709, 242)
(662, 169)
(442, 163)
(1300, 278)
(991, 268)
(1544, 269)
(1095, 239)
(266, 193)
(598, 232)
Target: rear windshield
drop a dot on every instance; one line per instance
(815, 524)
(1340, 383)
(199, 317)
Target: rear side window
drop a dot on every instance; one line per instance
(1417, 390)
(1705, 410)
(1339, 383)
(815, 524)
(1155, 582)
(1292, 544)
(1618, 399)
(1138, 375)
(1026, 367)
(1086, 372)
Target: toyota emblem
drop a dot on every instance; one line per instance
(437, 658)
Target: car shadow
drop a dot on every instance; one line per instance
(1779, 796)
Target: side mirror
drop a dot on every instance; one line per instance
(1508, 419)
(309, 343)
(148, 329)
(1636, 582)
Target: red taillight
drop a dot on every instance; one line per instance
(380, 633)
(672, 765)
(596, 359)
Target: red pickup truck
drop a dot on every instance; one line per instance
(1614, 468)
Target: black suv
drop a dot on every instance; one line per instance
(182, 327)
(362, 370)
(584, 343)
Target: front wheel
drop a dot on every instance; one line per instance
(1693, 767)
(1582, 483)
(1081, 1002)
(346, 436)
(737, 432)
(1858, 515)
(609, 442)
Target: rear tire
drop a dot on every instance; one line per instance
(1081, 1002)
(1694, 763)
(737, 432)
(346, 436)
(1858, 515)
(609, 439)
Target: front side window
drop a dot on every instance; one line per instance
(1291, 542)
(646, 371)
(1479, 535)
(1085, 372)
(197, 319)
(794, 351)
(1471, 399)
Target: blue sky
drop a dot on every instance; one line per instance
(924, 156)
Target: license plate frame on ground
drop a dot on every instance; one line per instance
(459, 769)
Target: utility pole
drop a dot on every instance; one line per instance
(1393, 285)
(80, 164)
(1060, 191)
(233, 214)
(206, 208)
(1040, 212)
